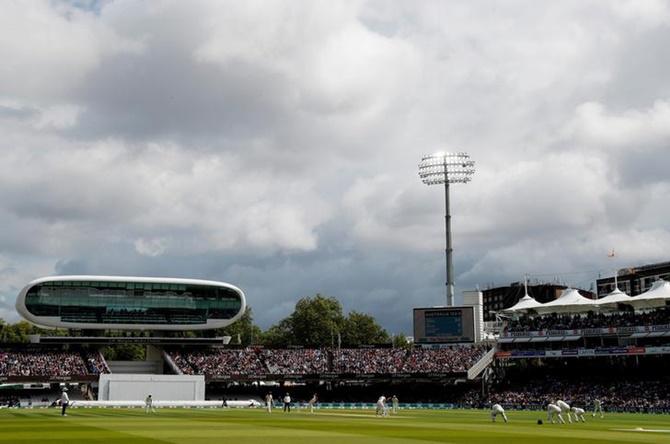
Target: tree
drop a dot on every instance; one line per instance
(20, 332)
(400, 341)
(244, 327)
(279, 335)
(4, 332)
(316, 321)
(15, 333)
(362, 329)
(125, 352)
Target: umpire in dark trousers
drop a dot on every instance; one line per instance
(64, 401)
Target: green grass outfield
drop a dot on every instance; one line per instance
(130, 426)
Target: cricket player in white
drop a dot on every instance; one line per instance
(598, 408)
(268, 402)
(554, 411)
(395, 403)
(579, 414)
(565, 408)
(496, 409)
(381, 406)
(64, 401)
(311, 403)
(149, 405)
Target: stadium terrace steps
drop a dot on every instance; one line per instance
(136, 367)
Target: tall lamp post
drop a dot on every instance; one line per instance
(446, 168)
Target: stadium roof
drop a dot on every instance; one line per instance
(525, 303)
(613, 299)
(656, 296)
(569, 301)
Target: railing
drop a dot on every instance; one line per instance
(583, 352)
(480, 365)
(598, 331)
(174, 367)
(104, 362)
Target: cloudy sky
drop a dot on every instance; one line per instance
(274, 144)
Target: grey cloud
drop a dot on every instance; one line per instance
(166, 95)
(20, 113)
(640, 168)
(643, 70)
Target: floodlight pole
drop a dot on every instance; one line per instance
(449, 249)
(445, 168)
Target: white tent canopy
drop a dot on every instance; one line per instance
(570, 301)
(525, 303)
(613, 299)
(656, 296)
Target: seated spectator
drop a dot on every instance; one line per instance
(369, 360)
(49, 363)
(295, 362)
(556, 321)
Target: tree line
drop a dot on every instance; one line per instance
(316, 321)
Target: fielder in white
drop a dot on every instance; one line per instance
(268, 402)
(496, 409)
(554, 411)
(381, 406)
(598, 408)
(149, 405)
(395, 402)
(311, 403)
(579, 414)
(565, 408)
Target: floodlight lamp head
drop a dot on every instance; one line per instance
(441, 168)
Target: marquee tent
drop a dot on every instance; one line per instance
(525, 303)
(656, 296)
(570, 301)
(613, 299)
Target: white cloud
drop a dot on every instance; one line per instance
(58, 117)
(643, 13)
(48, 48)
(151, 247)
(632, 129)
(116, 192)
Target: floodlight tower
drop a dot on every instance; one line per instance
(446, 168)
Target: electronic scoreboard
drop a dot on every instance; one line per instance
(444, 325)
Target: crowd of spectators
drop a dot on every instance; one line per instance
(255, 361)
(222, 362)
(295, 362)
(557, 321)
(95, 363)
(638, 396)
(252, 361)
(369, 360)
(47, 363)
(444, 360)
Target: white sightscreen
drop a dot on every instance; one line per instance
(125, 387)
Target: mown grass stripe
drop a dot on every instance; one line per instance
(195, 426)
